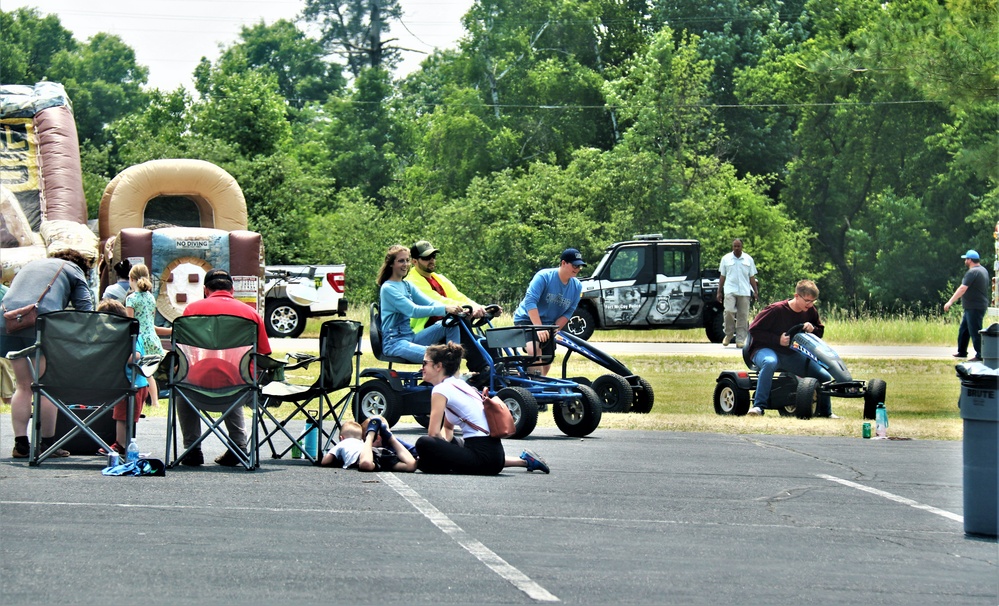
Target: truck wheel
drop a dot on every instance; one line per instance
(376, 398)
(643, 398)
(806, 397)
(730, 399)
(581, 324)
(614, 392)
(875, 394)
(524, 408)
(283, 318)
(715, 327)
(579, 416)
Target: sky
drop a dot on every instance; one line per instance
(171, 36)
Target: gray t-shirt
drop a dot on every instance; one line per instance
(977, 295)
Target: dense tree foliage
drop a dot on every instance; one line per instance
(841, 141)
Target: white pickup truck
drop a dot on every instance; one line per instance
(295, 293)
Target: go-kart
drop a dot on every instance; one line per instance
(498, 359)
(621, 390)
(792, 395)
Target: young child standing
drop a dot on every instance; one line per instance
(120, 412)
(141, 305)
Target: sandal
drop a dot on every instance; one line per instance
(60, 453)
(114, 446)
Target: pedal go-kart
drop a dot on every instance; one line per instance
(499, 361)
(621, 390)
(792, 395)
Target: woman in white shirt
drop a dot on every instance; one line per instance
(453, 403)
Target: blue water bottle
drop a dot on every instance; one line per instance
(881, 421)
(311, 441)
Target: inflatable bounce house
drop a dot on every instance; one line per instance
(42, 206)
(208, 212)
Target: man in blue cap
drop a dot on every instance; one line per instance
(551, 298)
(974, 295)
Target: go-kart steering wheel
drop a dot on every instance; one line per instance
(794, 330)
(453, 319)
(491, 311)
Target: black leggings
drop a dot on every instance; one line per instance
(482, 456)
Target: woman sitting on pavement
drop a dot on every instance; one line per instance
(400, 302)
(453, 403)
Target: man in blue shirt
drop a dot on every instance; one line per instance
(551, 298)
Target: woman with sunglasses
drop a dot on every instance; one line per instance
(453, 403)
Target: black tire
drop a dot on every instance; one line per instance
(524, 408)
(579, 416)
(376, 397)
(581, 381)
(806, 397)
(787, 410)
(282, 318)
(643, 398)
(422, 420)
(714, 328)
(730, 399)
(581, 324)
(614, 392)
(875, 394)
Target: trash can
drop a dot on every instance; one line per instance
(990, 346)
(980, 410)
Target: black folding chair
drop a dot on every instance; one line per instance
(85, 355)
(340, 366)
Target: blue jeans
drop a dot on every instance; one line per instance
(769, 361)
(412, 347)
(971, 324)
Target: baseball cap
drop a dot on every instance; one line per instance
(423, 249)
(571, 255)
(217, 274)
(971, 254)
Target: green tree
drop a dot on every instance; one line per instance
(244, 108)
(28, 42)
(103, 81)
(356, 30)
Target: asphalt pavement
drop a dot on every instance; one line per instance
(627, 517)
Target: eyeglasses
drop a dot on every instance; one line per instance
(425, 362)
(813, 301)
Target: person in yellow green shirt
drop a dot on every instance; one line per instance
(434, 285)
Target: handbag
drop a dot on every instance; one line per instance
(498, 417)
(24, 318)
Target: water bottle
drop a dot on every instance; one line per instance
(132, 452)
(311, 442)
(881, 421)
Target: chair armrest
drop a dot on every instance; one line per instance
(27, 352)
(268, 369)
(302, 360)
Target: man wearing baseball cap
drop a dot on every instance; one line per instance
(974, 295)
(434, 285)
(551, 298)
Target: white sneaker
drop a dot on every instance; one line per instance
(726, 341)
(740, 345)
(755, 411)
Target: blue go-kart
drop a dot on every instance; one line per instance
(793, 395)
(619, 391)
(498, 359)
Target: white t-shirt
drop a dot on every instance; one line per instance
(347, 450)
(464, 403)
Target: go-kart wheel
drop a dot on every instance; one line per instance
(730, 399)
(787, 410)
(875, 393)
(579, 416)
(376, 397)
(614, 392)
(581, 324)
(643, 397)
(422, 420)
(806, 397)
(582, 381)
(524, 408)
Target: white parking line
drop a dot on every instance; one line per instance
(894, 497)
(485, 555)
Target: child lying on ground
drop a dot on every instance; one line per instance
(377, 450)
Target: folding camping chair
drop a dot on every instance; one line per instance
(339, 341)
(213, 368)
(85, 355)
